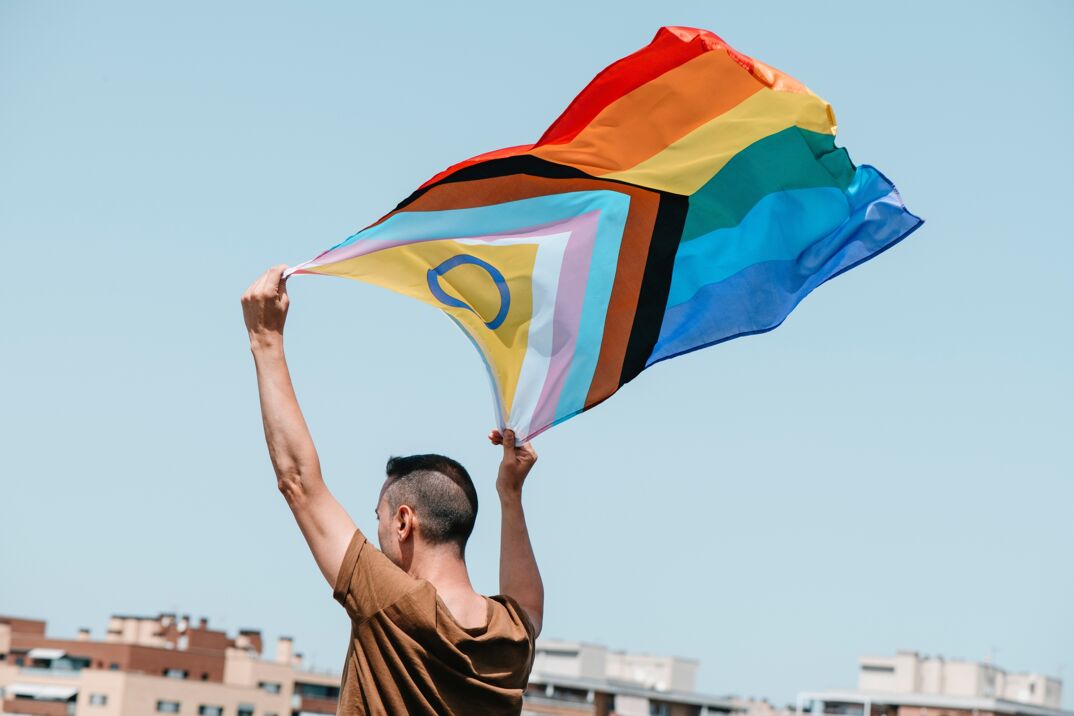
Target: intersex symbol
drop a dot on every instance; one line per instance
(434, 274)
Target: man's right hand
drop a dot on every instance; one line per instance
(519, 576)
(264, 307)
(516, 464)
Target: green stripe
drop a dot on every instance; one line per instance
(794, 158)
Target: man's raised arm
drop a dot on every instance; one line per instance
(519, 577)
(324, 523)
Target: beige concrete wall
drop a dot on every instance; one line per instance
(571, 659)
(241, 668)
(142, 693)
(134, 630)
(129, 694)
(927, 711)
(907, 679)
(881, 677)
(931, 676)
(964, 678)
(924, 675)
(109, 683)
(5, 638)
(1033, 689)
(661, 672)
(631, 706)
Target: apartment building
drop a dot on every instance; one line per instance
(164, 664)
(574, 678)
(909, 684)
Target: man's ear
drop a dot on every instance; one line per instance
(404, 522)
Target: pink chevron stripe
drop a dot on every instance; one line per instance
(368, 246)
(573, 278)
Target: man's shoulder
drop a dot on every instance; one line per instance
(515, 614)
(369, 582)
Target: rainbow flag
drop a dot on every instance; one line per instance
(689, 195)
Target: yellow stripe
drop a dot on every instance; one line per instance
(404, 268)
(685, 165)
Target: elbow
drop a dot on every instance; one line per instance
(293, 489)
(297, 480)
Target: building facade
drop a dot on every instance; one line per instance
(571, 677)
(909, 684)
(168, 664)
(155, 665)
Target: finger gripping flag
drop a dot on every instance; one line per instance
(690, 194)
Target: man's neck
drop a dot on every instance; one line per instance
(444, 568)
(441, 566)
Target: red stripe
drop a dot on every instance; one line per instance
(671, 47)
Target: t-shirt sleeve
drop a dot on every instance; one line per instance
(368, 581)
(522, 616)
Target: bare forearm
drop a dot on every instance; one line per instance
(324, 523)
(520, 577)
(293, 454)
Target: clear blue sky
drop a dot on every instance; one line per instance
(890, 469)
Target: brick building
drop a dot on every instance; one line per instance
(149, 665)
(168, 664)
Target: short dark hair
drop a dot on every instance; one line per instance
(440, 491)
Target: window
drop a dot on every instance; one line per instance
(270, 687)
(245, 710)
(98, 699)
(19, 661)
(204, 710)
(168, 707)
(68, 663)
(205, 676)
(113, 666)
(316, 691)
(878, 668)
(175, 673)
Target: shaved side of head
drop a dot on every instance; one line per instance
(439, 491)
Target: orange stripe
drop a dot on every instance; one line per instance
(648, 119)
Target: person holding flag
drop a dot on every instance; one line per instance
(422, 640)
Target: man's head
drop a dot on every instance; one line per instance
(426, 501)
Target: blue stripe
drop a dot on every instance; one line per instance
(511, 216)
(761, 296)
(778, 227)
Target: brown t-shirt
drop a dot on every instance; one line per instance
(408, 655)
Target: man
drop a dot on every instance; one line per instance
(422, 640)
